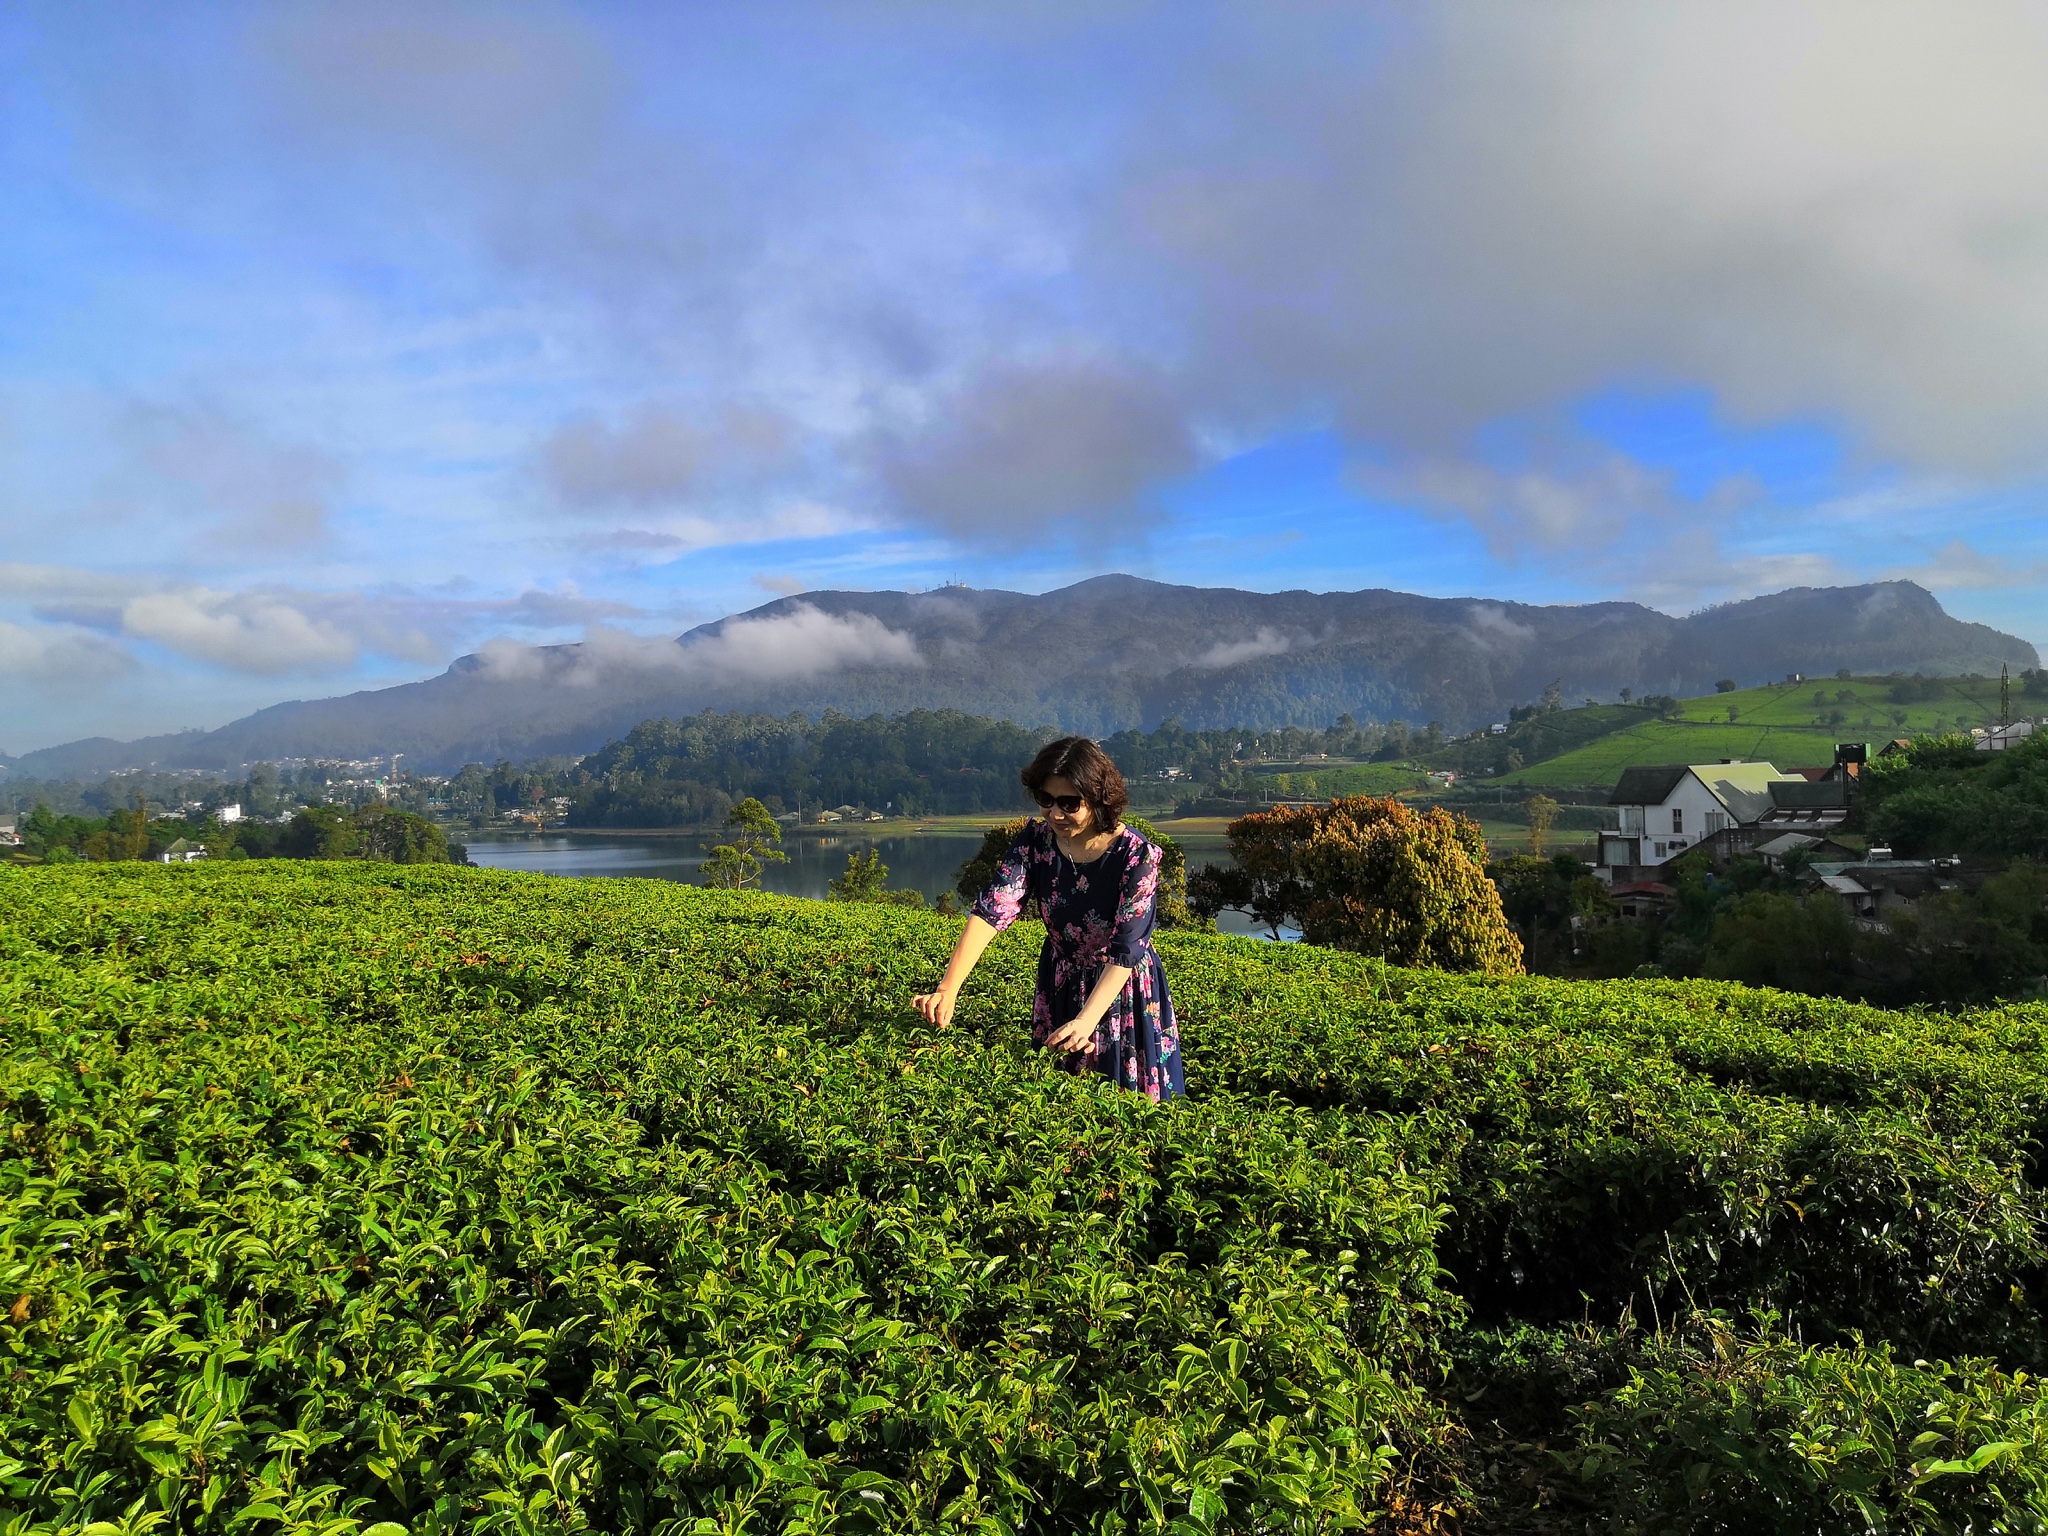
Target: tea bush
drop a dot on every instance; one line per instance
(367, 1199)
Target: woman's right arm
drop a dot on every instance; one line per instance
(938, 1006)
(995, 909)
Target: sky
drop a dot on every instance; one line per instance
(337, 341)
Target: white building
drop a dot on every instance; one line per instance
(1999, 737)
(228, 815)
(1666, 810)
(10, 831)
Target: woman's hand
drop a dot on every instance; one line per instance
(937, 1007)
(1076, 1036)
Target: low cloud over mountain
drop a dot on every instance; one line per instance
(1097, 656)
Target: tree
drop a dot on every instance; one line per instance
(1773, 939)
(867, 879)
(1542, 817)
(737, 864)
(1410, 888)
(392, 836)
(127, 834)
(1725, 685)
(1371, 875)
(319, 832)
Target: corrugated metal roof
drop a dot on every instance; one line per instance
(1745, 788)
(1842, 885)
(1786, 842)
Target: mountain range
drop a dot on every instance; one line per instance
(1104, 654)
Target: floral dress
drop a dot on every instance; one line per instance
(1096, 914)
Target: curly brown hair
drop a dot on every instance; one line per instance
(1087, 767)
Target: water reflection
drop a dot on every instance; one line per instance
(921, 861)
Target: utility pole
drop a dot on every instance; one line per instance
(2004, 696)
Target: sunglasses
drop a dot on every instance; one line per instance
(1066, 805)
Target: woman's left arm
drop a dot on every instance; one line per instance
(1080, 1033)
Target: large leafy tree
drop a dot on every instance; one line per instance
(1373, 875)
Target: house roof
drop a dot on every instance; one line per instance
(1785, 843)
(1647, 786)
(1806, 795)
(1743, 787)
(1842, 885)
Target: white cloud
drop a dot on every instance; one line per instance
(659, 456)
(49, 657)
(249, 632)
(1957, 567)
(282, 631)
(671, 537)
(1228, 653)
(1829, 208)
(1492, 626)
(241, 484)
(1546, 510)
(1021, 446)
(800, 642)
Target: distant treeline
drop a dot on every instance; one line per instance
(376, 832)
(267, 790)
(689, 772)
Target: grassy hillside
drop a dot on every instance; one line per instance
(1795, 725)
(1346, 779)
(362, 1199)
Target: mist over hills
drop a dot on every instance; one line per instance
(1107, 653)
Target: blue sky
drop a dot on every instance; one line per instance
(338, 341)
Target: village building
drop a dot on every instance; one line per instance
(1999, 737)
(1878, 885)
(1667, 811)
(10, 831)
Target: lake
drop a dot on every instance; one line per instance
(918, 861)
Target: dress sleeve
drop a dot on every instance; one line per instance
(1136, 906)
(999, 905)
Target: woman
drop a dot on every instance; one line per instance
(1101, 1000)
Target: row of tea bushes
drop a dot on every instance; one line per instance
(437, 1198)
(322, 1214)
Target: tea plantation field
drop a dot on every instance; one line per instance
(362, 1199)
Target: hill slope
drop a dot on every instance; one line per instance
(1791, 725)
(1104, 654)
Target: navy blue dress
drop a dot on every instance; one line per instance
(1096, 914)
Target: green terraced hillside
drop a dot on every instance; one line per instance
(1795, 725)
